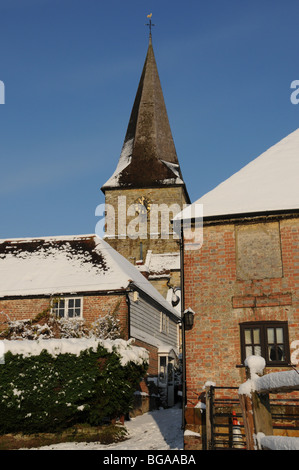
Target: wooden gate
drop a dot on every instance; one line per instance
(261, 421)
(224, 421)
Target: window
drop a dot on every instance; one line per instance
(68, 307)
(162, 369)
(164, 323)
(266, 339)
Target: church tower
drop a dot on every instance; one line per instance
(147, 188)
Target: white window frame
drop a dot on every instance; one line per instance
(67, 301)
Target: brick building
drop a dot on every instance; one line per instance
(243, 281)
(82, 278)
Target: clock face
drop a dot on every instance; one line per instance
(142, 205)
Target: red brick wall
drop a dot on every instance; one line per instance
(222, 300)
(94, 306)
(153, 358)
(22, 309)
(99, 306)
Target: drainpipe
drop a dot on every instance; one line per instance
(129, 314)
(183, 325)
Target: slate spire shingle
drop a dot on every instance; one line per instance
(148, 157)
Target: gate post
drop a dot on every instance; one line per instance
(262, 413)
(209, 416)
(247, 412)
(255, 406)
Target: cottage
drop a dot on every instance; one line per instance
(84, 278)
(243, 281)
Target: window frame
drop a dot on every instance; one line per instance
(264, 344)
(66, 300)
(164, 323)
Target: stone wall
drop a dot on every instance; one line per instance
(170, 197)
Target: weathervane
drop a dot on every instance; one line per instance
(150, 23)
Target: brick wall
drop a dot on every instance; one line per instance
(99, 306)
(153, 359)
(243, 272)
(94, 306)
(22, 309)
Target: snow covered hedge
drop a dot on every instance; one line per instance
(48, 385)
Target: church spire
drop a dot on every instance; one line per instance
(148, 157)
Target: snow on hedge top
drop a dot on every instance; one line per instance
(68, 265)
(268, 183)
(126, 350)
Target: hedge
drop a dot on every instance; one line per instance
(46, 393)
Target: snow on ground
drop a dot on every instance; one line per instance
(156, 430)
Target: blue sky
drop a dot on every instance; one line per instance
(71, 70)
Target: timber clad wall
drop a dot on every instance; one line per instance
(243, 272)
(145, 324)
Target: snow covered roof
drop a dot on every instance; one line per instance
(68, 265)
(160, 263)
(268, 183)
